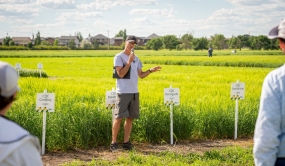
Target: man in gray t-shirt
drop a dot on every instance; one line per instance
(129, 69)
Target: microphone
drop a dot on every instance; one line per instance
(132, 52)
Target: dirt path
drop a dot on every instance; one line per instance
(56, 158)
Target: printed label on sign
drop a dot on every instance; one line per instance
(237, 90)
(171, 96)
(110, 99)
(45, 102)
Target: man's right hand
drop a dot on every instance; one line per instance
(131, 58)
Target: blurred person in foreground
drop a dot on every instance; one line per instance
(17, 145)
(127, 99)
(269, 134)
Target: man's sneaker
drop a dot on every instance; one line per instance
(127, 146)
(114, 146)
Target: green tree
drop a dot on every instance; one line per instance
(30, 45)
(244, 41)
(55, 43)
(79, 36)
(85, 44)
(7, 40)
(234, 42)
(200, 43)
(125, 35)
(260, 42)
(11, 43)
(45, 43)
(186, 41)
(196, 44)
(219, 41)
(122, 33)
(170, 42)
(38, 39)
(204, 43)
(275, 44)
(154, 44)
(95, 45)
(71, 44)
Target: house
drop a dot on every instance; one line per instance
(140, 41)
(21, 40)
(152, 36)
(64, 40)
(112, 41)
(50, 40)
(101, 39)
(1, 41)
(117, 41)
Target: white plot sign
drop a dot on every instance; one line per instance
(40, 66)
(18, 66)
(110, 99)
(171, 96)
(45, 102)
(237, 90)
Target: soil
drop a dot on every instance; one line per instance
(184, 147)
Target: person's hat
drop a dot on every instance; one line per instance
(8, 80)
(131, 39)
(278, 31)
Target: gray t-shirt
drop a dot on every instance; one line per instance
(127, 85)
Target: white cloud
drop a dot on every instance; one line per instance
(27, 30)
(14, 1)
(78, 16)
(57, 4)
(102, 23)
(108, 4)
(38, 26)
(157, 13)
(141, 21)
(247, 2)
(18, 10)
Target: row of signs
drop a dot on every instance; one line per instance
(45, 101)
(172, 95)
(18, 66)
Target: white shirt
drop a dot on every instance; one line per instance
(17, 146)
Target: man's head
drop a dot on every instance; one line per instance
(279, 32)
(130, 42)
(131, 39)
(8, 84)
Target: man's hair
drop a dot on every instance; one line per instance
(4, 101)
(283, 40)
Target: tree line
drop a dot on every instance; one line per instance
(186, 42)
(217, 41)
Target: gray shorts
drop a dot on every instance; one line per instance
(127, 105)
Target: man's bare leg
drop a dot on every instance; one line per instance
(116, 129)
(127, 129)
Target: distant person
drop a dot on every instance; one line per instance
(269, 133)
(17, 146)
(210, 52)
(127, 100)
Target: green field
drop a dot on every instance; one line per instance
(80, 80)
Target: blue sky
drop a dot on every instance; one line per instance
(202, 18)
